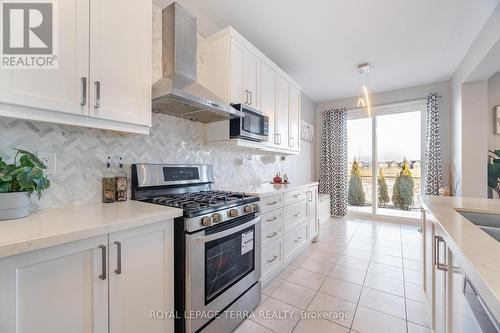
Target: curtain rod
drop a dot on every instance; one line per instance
(392, 103)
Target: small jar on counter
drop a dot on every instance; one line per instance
(108, 183)
(121, 182)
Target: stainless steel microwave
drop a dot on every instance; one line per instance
(253, 126)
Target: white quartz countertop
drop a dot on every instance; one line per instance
(480, 252)
(267, 188)
(54, 226)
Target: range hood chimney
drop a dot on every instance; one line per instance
(178, 93)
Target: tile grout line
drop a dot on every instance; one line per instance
(317, 291)
(362, 287)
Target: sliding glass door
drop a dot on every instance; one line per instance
(385, 161)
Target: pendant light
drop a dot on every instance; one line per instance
(363, 96)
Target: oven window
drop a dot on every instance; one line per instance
(228, 260)
(252, 123)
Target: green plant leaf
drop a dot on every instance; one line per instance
(33, 158)
(4, 187)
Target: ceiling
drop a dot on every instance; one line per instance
(321, 42)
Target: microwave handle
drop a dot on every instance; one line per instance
(225, 233)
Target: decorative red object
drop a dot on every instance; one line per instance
(277, 178)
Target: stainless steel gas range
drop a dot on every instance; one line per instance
(216, 245)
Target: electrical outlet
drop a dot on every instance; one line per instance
(49, 159)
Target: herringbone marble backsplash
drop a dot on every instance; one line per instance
(81, 153)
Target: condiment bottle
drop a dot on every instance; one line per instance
(108, 183)
(121, 183)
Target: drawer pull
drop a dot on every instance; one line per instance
(274, 258)
(298, 214)
(272, 203)
(103, 276)
(298, 195)
(273, 219)
(272, 235)
(298, 240)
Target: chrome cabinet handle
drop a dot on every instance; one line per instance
(310, 195)
(103, 275)
(246, 97)
(251, 97)
(298, 195)
(118, 269)
(297, 240)
(292, 143)
(272, 235)
(272, 203)
(279, 135)
(439, 265)
(97, 94)
(83, 80)
(298, 214)
(273, 219)
(274, 258)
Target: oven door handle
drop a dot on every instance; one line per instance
(227, 232)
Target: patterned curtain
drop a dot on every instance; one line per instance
(433, 163)
(333, 165)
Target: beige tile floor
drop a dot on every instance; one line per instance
(366, 270)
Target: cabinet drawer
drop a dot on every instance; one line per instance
(270, 203)
(271, 219)
(295, 213)
(271, 256)
(296, 195)
(294, 238)
(271, 234)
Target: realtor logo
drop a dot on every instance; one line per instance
(28, 34)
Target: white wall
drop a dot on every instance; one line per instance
(474, 139)
(480, 62)
(493, 99)
(303, 165)
(395, 96)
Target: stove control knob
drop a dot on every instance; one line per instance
(255, 208)
(206, 221)
(216, 217)
(232, 213)
(248, 209)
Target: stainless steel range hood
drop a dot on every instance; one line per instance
(178, 93)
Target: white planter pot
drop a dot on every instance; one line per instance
(14, 205)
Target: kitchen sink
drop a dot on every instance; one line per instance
(489, 223)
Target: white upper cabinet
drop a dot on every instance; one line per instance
(252, 83)
(120, 61)
(293, 118)
(238, 72)
(98, 41)
(268, 98)
(282, 104)
(58, 89)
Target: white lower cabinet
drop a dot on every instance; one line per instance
(141, 278)
(444, 281)
(289, 223)
(78, 287)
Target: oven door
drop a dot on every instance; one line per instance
(222, 263)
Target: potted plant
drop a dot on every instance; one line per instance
(18, 181)
(494, 171)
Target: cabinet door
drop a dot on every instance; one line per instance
(294, 118)
(141, 278)
(252, 79)
(60, 89)
(120, 61)
(440, 285)
(312, 212)
(462, 319)
(58, 289)
(238, 94)
(282, 112)
(268, 98)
